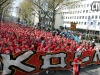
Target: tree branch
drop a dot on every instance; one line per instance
(3, 2)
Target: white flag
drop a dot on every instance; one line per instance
(94, 23)
(88, 22)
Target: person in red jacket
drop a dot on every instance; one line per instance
(76, 65)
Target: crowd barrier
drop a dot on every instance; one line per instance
(29, 62)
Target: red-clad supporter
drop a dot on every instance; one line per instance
(32, 47)
(22, 38)
(6, 49)
(79, 49)
(68, 47)
(56, 49)
(22, 48)
(90, 48)
(17, 49)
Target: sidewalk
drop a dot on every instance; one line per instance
(97, 44)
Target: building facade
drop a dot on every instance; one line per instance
(80, 14)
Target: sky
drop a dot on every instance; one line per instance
(16, 4)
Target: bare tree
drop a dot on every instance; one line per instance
(51, 7)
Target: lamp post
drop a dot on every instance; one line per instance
(18, 12)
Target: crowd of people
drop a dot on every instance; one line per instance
(16, 38)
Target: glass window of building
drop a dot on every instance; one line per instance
(96, 16)
(88, 16)
(78, 11)
(83, 11)
(87, 5)
(82, 17)
(92, 16)
(75, 17)
(99, 17)
(98, 23)
(84, 23)
(62, 17)
(86, 11)
(91, 23)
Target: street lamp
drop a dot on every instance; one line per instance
(18, 12)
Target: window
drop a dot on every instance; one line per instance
(86, 11)
(91, 23)
(78, 11)
(84, 23)
(87, 5)
(88, 16)
(98, 23)
(82, 17)
(99, 17)
(96, 17)
(75, 17)
(92, 17)
(83, 11)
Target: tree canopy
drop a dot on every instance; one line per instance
(5, 4)
(26, 8)
(48, 8)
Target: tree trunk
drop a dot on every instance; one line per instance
(0, 14)
(53, 20)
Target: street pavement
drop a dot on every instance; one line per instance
(98, 45)
(89, 70)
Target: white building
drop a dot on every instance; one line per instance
(79, 14)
